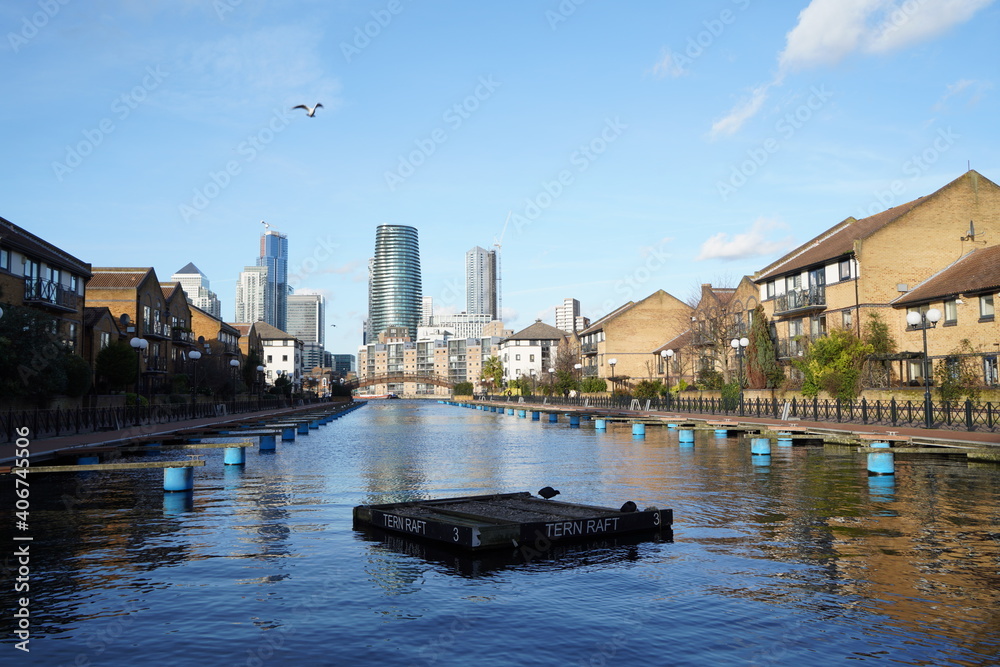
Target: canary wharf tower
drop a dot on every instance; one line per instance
(395, 290)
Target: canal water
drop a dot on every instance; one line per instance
(799, 559)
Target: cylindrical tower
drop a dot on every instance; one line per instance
(395, 281)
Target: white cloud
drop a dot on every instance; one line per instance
(830, 30)
(752, 243)
(974, 88)
(667, 66)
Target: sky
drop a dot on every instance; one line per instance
(609, 149)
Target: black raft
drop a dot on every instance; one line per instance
(507, 519)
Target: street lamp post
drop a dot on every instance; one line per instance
(740, 345)
(138, 344)
(667, 358)
(234, 364)
(552, 383)
(924, 321)
(260, 385)
(194, 355)
(612, 363)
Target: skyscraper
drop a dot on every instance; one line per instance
(195, 285)
(251, 294)
(567, 314)
(274, 255)
(395, 289)
(481, 282)
(307, 322)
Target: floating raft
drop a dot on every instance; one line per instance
(506, 520)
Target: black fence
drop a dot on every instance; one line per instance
(56, 422)
(957, 416)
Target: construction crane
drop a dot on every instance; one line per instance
(498, 244)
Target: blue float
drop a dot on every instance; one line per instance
(574, 420)
(303, 429)
(87, 460)
(639, 429)
(881, 463)
(721, 432)
(671, 425)
(761, 461)
(535, 415)
(760, 446)
(686, 435)
(235, 456)
(178, 479)
(288, 433)
(600, 425)
(553, 417)
(267, 443)
(784, 440)
(314, 424)
(510, 411)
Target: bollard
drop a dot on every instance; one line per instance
(762, 460)
(639, 429)
(178, 479)
(267, 443)
(288, 433)
(87, 460)
(721, 432)
(235, 456)
(881, 463)
(553, 417)
(522, 414)
(784, 440)
(574, 420)
(760, 446)
(510, 411)
(600, 425)
(686, 436)
(303, 428)
(535, 415)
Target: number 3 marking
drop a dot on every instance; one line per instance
(456, 534)
(656, 519)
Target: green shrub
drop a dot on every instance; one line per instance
(463, 389)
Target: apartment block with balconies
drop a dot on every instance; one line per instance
(866, 266)
(39, 275)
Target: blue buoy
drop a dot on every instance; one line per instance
(267, 443)
(600, 425)
(553, 417)
(287, 434)
(574, 420)
(87, 460)
(686, 435)
(721, 432)
(760, 446)
(535, 415)
(522, 414)
(235, 456)
(761, 461)
(784, 440)
(303, 428)
(510, 411)
(178, 479)
(881, 463)
(638, 429)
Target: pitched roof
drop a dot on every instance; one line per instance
(676, 343)
(538, 331)
(189, 268)
(169, 289)
(12, 236)
(268, 332)
(93, 314)
(975, 272)
(116, 277)
(599, 324)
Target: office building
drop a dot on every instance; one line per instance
(481, 282)
(251, 295)
(395, 285)
(196, 287)
(274, 255)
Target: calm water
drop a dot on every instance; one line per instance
(805, 561)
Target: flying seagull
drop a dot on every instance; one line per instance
(548, 493)
(309, 111)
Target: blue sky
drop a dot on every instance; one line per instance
(635, 145)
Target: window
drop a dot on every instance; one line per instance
(817, 325)
(986, 307)
(990, 370)
(517, 357)
(74, 284)
(770, 289)
(950, 312)
(845, 269)
(269, 358)
(793, 283)
(4, 259)
(847, 319)
(794, 328)
(531, 357)
(284, 357)
(105, 339)
(53, 275)
(30, 268)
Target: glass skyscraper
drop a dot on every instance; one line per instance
(481, 282)
(274, 255)
(395, 287)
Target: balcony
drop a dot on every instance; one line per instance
(800, 301)
(156, 364)
(588, 348)
(157, 329)
(590, 371)
(41, 292)
(183, 337)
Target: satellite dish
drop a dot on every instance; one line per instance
(125, 319)
(201, 339)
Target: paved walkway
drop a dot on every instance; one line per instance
(937, 435)
(46, 447)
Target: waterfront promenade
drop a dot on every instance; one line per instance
(47, 447)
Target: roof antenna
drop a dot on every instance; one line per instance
(971, 234)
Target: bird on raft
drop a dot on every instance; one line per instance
(629, 506)
(310, 111)
(548, 493)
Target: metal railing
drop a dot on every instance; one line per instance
(947, 415)
(48, 291)
(812, 297)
